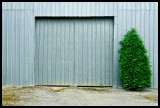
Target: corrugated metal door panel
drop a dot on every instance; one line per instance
(74, 51)
(106, 41)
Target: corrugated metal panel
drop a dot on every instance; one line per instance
(18, 47)
(75, 9)
(119, 26)
(155, 47)
(73, 51)
(142, 15)
(17, 5)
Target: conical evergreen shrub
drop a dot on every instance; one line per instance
(135, 65)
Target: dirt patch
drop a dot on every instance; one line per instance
(80, 96)
(150, 97)
(95, 89)
(12, 95)
(9, 96)
(58, 90)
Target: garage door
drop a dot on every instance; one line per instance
(74, 51)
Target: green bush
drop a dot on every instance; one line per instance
(135, 65)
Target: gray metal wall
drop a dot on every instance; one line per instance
(17, 47)
(142, 15)
(75, 51)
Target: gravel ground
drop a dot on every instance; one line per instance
(72, 96)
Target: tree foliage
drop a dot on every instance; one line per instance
(134, 62)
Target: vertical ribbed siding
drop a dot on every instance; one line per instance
(3, 51)
(155, 76)
(17, 5)
(142, 15)
(151, 37)
(119, 16)
(72, 64)
(75, 9)
(16, 54)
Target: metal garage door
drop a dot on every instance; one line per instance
(74, 51)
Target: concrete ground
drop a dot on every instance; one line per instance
(83, 96)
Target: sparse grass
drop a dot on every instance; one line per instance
(11, 94)
(29, 87)
(9, 97)
(27, 92)
(59, 90)
(95, 89)
(150, 97)
(85, 88)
